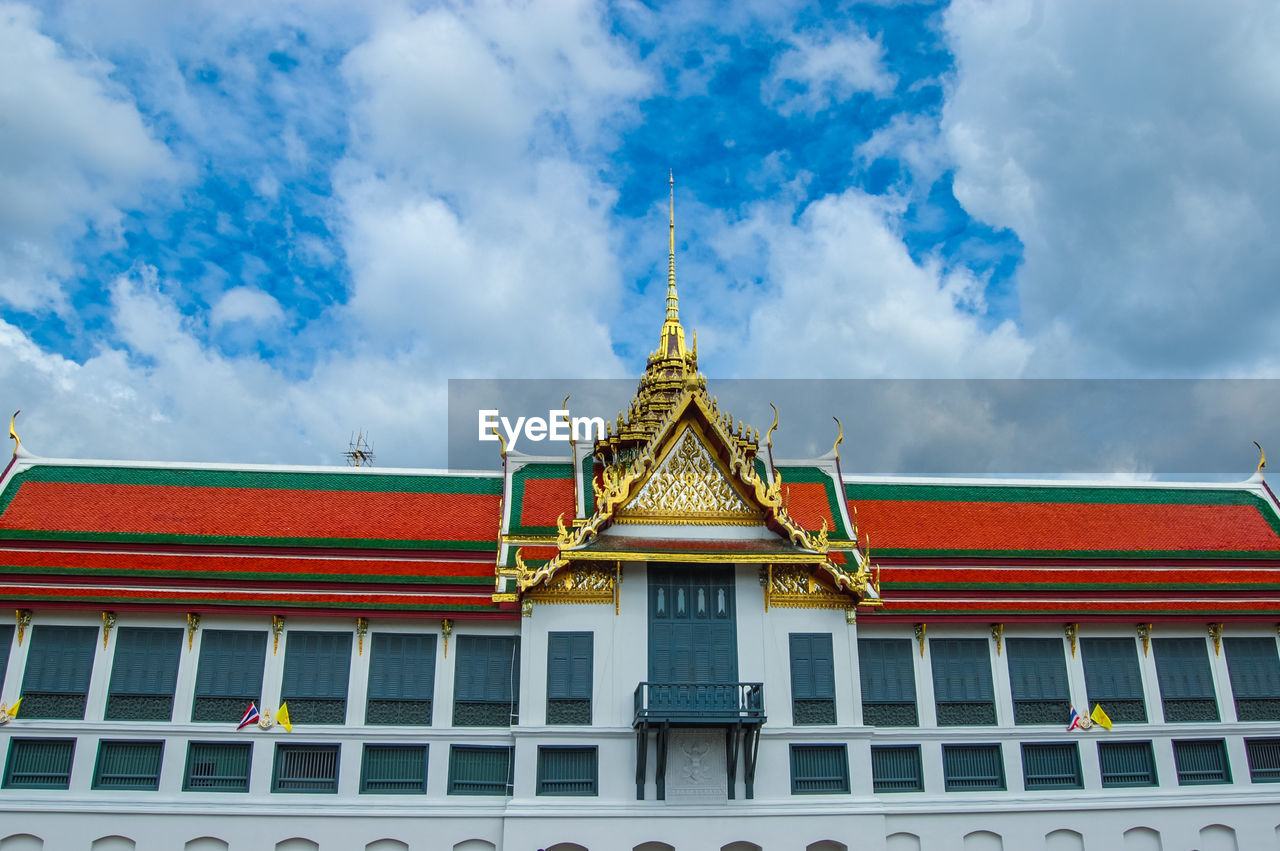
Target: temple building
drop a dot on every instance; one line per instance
(666, 640)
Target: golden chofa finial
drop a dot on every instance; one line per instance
(1262, 456)
(835, 447)
(13, 432)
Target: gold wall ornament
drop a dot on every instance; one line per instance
(687, 487)
(1072, 630)
(851, 617)
(24, 620)
(526, 608)
(1215, 632)
(193, 623)
(580, 584)
(362, 629)
(997, 633)
(446, 627)
(791, 586)
(1144, 632)
(920, 630)
(108, 622)
(277, 627)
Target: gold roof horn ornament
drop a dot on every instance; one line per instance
(13, 432)
(835, 447)
(768, 437)
(1262, 457)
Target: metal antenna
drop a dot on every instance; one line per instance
(359, 451)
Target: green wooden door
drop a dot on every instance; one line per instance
(692, 625)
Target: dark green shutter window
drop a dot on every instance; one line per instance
(128, 765)
(1255, 677)
(813, 689)
(476, 770)
(1186, 682)
(6, 641)
(229, 676)
(394, 770)
(305, 768)
(1201, 762)
(971, 768)
(143, 674)
(566, 770)
(59, 665)
(962, 681)
(887, 672)
(486, 682)
(569, 677)
(896, 768)
(1264, 760)
(317, 667)
(218, 767)
(819, 769)
(1038, 680)
(402, 678)
(39, 763)
(1051, 765)
(1126, 764)
(1112, 678)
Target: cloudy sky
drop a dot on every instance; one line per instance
(241, 230)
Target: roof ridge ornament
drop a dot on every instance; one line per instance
(13, 432)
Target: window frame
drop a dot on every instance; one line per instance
(193, 747)
(544, 783)
(387, 747)
(842, 779)
(107, 744)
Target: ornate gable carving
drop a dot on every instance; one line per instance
(689, 487)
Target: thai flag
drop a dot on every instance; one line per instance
(251, 716)
(1076, 721)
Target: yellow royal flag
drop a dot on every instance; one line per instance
(282, 718)
(13, 710)
(1100, 718)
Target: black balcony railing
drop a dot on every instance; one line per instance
(699, 702)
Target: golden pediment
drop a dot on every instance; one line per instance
(689, 486)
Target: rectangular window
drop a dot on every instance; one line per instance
(1038, 680)
(402, 678)
(971, 768)
(475, 770)
(1255, 677)
(229, 676)
(1264, 760)
(1112, 678)
(59, 665)
(813, 688)
(962, 681)
(896, 768)
(39, 763)
(305, 768)
(394, 770)
(143, 674)
(887, 672)
(569, 677)
(6, 641)
(819, 769)
(486, 681)
(1051, 765)
(1186, 682)
(1201, 761)
(566, 771)
(128, 765)
(317, 667)
(218, 767)
(1127, 764)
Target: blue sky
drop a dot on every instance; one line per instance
(239, 231)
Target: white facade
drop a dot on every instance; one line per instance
(1240, 814)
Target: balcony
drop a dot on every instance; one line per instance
(699, 703)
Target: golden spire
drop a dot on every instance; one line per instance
(673, 300)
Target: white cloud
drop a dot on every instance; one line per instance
(246, 304)
(74, 153)
(1132, 149)
(817, 72)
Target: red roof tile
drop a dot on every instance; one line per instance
(544, 501)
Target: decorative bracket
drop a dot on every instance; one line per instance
(1144, 632)
(108, 621)
(920, 631)
(24, 621)
(526, 608)
(362, 629)
(193, 624)
(997, 633)
(277, 627)
(1215, 632)
(1072, 630)
(446, 627)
